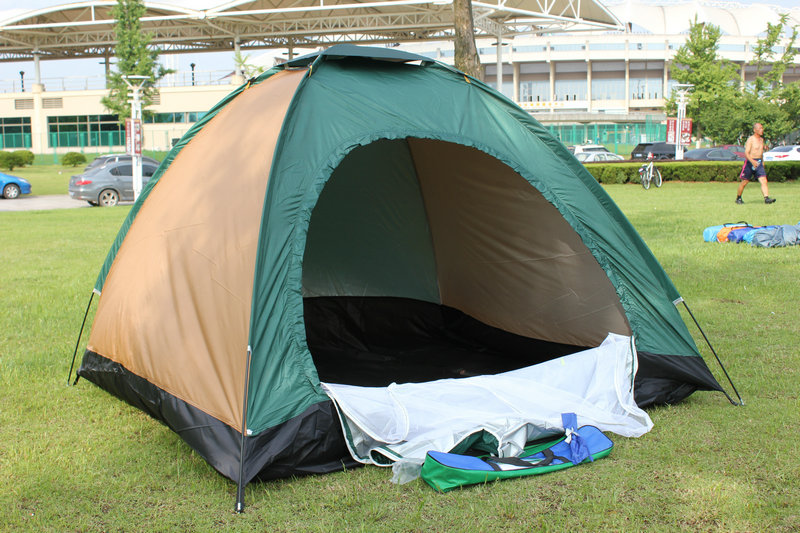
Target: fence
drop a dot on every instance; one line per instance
(618, 138)
(55, 145)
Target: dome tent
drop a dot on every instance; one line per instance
(364, 216)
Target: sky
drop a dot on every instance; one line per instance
(212, 61)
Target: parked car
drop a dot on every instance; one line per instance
(105, 159)
(658, 151)
(13, 186)
(581, 148)
(712, 154)
(789, 152)
(108, 184)
(735, 148)
(594, 157)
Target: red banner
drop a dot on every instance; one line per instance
(686, 130)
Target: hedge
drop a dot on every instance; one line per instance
(628, 172)
(11, 160)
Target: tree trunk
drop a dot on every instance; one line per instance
(466, 54)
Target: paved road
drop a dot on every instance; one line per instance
(36, 203)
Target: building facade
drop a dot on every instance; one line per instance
(607, 87)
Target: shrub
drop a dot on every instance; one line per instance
(700, 171)
(73, 159)
(10, 160)
(26, 156)
(783, 171)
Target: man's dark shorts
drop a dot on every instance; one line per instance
(749, 174)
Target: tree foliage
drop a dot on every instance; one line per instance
(244, 66)
(134, 57)
(722, 109)
(714, 79)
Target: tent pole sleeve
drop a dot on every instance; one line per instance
(741, 401)
(78, 342)
(240, 485)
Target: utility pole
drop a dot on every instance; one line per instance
(682, 90)
(134, 132)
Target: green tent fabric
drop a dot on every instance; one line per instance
(397, 193)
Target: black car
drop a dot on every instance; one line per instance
(712, 154)
(658, 151)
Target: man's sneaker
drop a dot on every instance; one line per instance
(739, 200)
(768, 200)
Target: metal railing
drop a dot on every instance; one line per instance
(88, 83)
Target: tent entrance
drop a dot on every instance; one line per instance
(376, 341)
(427, 259)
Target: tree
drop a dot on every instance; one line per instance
(770, 69)
(247, 69)
(466, 53)
(721, 108)
(714, 79)
(134, 57)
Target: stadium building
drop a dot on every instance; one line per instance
(599, 76)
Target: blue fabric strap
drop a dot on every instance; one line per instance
(578, 448)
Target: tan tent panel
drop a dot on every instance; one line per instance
(182, 281)
(506, 256)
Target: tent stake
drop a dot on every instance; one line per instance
(240, 484)
(741, 401)
(78, 342)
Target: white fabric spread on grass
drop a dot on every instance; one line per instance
(401, 423)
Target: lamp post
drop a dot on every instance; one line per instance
(22, 80)
(683, 90)
(135, 84)
(192, 65)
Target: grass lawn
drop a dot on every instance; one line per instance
(47, 179)
(76, 458)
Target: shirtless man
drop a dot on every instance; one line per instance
(753, 167)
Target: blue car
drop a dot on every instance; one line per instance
(12, 186)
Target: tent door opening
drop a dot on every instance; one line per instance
(427, 259)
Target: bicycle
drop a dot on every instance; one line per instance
(649, 173)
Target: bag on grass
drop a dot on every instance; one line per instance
(447, 471)
(710, 233)
(722, 236)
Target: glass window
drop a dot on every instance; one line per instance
(122, 170)
(608, 89)
(15, 132)
(85, 130)
(534, 91)
(570, 90)
(645, 88)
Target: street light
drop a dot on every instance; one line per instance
(682, 89)
(135, 83)
(22, 80)
(192, 65)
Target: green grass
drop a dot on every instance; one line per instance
(47, 179)
(77, 459)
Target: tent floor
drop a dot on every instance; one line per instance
(377, 341)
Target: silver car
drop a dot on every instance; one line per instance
(109, 183)
(113, 158)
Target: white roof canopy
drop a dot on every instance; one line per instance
(86, 29)
(736, 19)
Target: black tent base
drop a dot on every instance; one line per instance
(310, 443)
